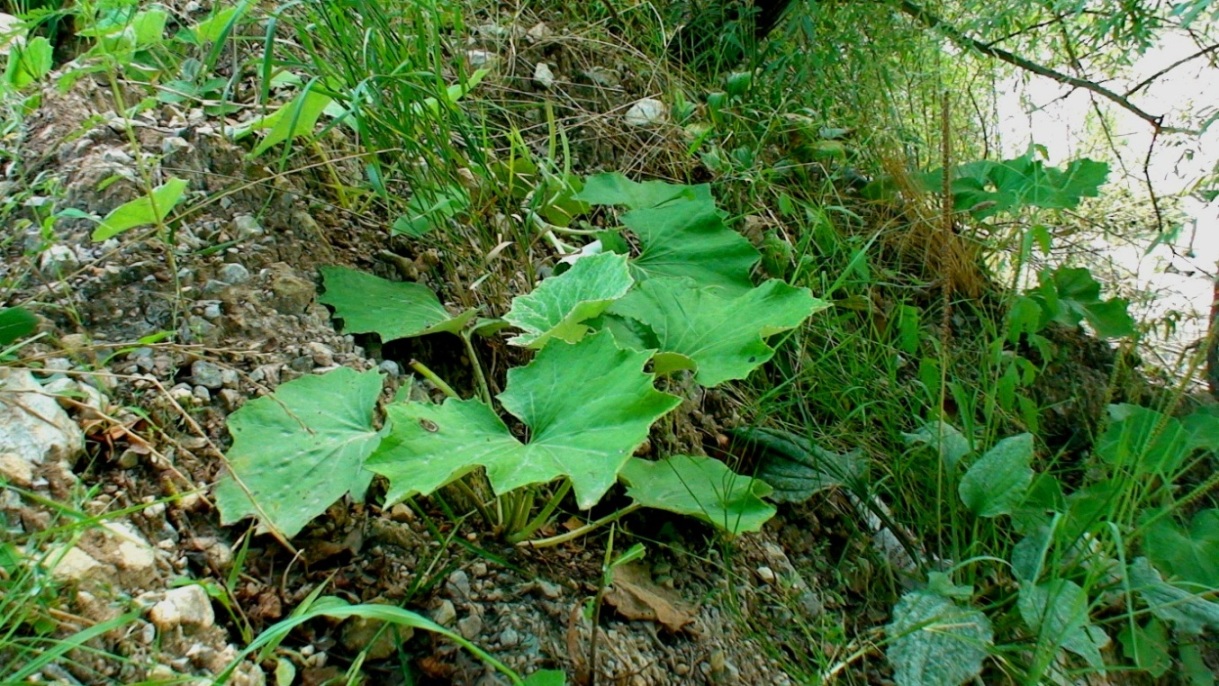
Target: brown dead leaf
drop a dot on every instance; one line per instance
(635, 596)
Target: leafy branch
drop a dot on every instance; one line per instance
(932, 21)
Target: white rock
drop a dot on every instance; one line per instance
(538, 32)
(646, 112)
(481, 58)
(32, 424)
(543, 75)
(57, 259)
(75, 565)
(188, 605)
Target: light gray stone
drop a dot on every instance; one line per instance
(206, 374)
(185, 606)
(32, 424)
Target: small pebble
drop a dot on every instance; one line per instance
(206, 374)
(233, 273)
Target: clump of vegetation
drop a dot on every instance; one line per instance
(804, 277)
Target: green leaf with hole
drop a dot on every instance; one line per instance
(722, 332)
(143, 211)
(390, 309)
(700, 487)
(935, 642)
(16, 322)
(560, 305)
(1057, 612)
(299, 450)
(1187, 555)
(997, 482)
(587, 407)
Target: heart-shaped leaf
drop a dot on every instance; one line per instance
(301, 449)
(721, 332)
(587, 407)
(558, 307)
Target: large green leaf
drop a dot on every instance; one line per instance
(1144, 441)
(1187, 555)
(935, 642)
(796, 468)
(144, 210)
(1189, 612)
(615, 189)
(16, 322)
(997, 482)
(700, 487)
(587, 407)
(1057, 611)
(721, 332)
(944, 438)
(301, 449)
(390, 309)
(558, 307)
(987, 187)
(689, 238)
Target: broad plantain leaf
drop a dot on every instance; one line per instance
(935, 642)
(301, 449)
(701, 487)
(615, 189)
(950, 443)
(796, 468)
(1188, 612)
(1058, 612)
(390, 309)
(587, 406)
(1143, 440)
(558, 307)
(997, 482)
(721, 332)
(292, 120)
(1190, 556)
(1148, 646)
(144, 210)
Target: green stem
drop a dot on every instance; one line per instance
(431, 376)
(544, 516)
(576, 533)
(469, 493)
(484, 389)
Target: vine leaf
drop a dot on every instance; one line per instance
(935, 642)
(997, 482)
(700, 487)
(390, 309)
(581, 427)
(558, 307)
(720, 332)
(300, 449)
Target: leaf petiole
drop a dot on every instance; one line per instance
(581, 531)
